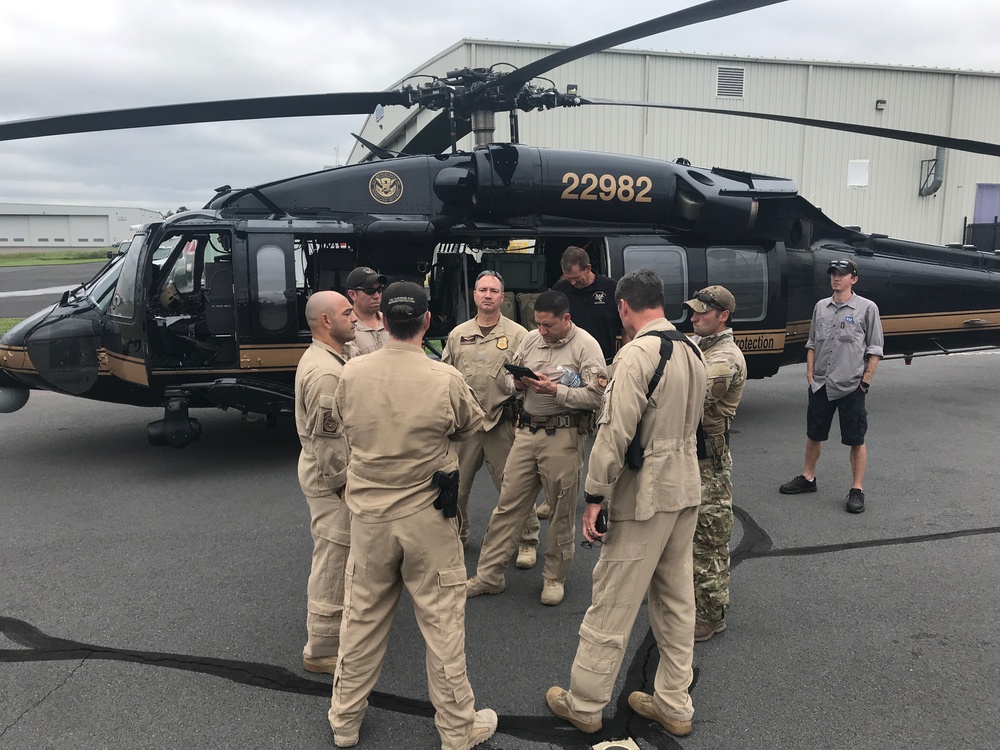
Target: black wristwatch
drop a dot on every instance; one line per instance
(593, 499)
(865, 386)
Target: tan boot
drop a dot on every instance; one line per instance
(552, 593)
(320, 664)
(703, 629)
(555, 698)
(476, 586)
(526, 556)
(482, 728)
(644, 705)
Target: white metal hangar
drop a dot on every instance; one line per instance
(902, 189)
(37, 225)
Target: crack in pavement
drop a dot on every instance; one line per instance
(42, 700)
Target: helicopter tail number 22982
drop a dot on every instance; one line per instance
(206, 309)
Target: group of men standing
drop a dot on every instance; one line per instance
(388, 510)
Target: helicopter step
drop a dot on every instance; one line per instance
(176, 429)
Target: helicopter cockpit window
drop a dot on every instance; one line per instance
(670, 264)
(743, 271)
(271, 287)
(100, 290)
(123, 300)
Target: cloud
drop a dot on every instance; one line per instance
(112, 54)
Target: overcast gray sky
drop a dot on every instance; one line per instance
(58, 57)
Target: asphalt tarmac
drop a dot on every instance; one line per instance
(27, 289)
(155, 598)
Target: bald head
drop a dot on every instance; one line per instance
(331, 318)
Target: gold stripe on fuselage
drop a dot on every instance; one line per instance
(281, 356)
(958, 321)
(123, 367)
(15, 359)
(771, 341)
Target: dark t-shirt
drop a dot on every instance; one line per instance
(593, 309)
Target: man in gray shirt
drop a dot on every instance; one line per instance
(843, 352)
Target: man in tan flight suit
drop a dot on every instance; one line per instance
(323, 473)
(479, 348)
(548, 446)
(398, 537)
(364, 287)
(653, 511)
(712, 308)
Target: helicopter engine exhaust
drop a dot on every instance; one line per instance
(176, 429)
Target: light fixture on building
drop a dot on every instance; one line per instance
(880, 104)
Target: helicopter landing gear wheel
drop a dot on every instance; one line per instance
(176, 429)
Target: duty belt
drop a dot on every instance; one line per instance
(550, 423)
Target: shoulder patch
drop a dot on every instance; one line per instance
(719, 387)
(330, 425)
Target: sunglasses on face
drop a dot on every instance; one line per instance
(494, 274)
(370, 291)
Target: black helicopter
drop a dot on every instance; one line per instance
(206, 309)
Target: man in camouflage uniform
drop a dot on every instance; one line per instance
(479, 348)
(712, 308)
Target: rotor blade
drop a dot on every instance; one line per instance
(707, 11)
(957, 144)
(306, 105)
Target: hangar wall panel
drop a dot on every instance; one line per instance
(961, 104)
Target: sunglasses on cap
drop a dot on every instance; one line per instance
(494, 274)
(708, 300)
(371, 291)
(842, 266)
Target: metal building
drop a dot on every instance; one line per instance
(902, 189)
(36, 225)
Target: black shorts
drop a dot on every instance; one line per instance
(853, 417)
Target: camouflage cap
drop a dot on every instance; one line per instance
(712, 296)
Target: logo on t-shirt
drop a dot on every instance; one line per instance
(599, 297)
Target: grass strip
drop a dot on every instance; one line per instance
(58, 258)
(7, 323)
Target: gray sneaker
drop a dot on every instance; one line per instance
(797, 486)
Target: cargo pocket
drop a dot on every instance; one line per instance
(457, 681)
(599, 653)
(449, 609)
(616, 576)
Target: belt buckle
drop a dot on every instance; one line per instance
(563, 420)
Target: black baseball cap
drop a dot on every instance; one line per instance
(364, 277)
(403, 300)
(843, 266)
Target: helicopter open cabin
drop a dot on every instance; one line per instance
(206, 309)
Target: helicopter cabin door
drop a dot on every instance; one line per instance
(272, 340)
(754, 275)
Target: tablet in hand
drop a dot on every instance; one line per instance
(519, 371)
